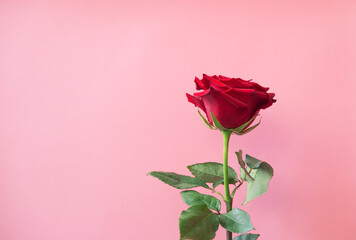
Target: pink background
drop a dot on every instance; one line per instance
(92, 97)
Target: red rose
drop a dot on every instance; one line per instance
(233, 101)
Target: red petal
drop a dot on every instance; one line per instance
(201, 84)
(214, 80)
(255, 100)
(215, 83)
(224, 78)
(200, 94)
(259, 87)
(196, 101)
(269, 101)
(237, 83)
(242, 94)
(230, 112)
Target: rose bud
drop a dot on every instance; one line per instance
(231, 102)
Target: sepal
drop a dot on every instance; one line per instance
(238, 131)
(241, 130)
(216, 122)
(247, 130)
(206, 121)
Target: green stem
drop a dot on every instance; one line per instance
(228, 200)
(228, 209)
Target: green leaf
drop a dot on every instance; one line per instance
(239, 129)
(198, 223)
(262, 176)
(252, 162)
(212, 172)
(252, 173)
(221, 182)
(243, 165)
(249, 236)
(192, 198)
(242, 174)
(239, 159)
(218, 183)
(179, 181)
(205, 121)
(216, 122)
(237, 221)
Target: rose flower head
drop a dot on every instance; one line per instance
(230, 103)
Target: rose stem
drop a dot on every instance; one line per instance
(228, 200)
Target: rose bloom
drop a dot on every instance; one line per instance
(233, 101)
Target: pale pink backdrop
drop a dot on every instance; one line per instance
(92, 97)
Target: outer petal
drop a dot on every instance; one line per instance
(238, 83)
(201, 84)
(269, 101)
(216, 83)
(224, 78)
(254, 99)
(259, 87)
(196, 101)
(200, 94)
(230, 112)
(213, 79)
(244, 95)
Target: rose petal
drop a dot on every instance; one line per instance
(244, 95)
(215, 83)
(238, 83)
(224, 78)
(269, 101)
(230, 112)
(196, 101)
(201, 84)
(200, 94)
(259, 87)
(252, 98)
